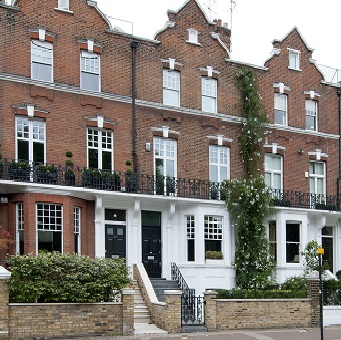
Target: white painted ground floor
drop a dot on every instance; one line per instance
(157, 230)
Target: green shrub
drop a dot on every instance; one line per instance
(295, 283)
(55, 277)
(332, 292)
(261, 294)
(215, 255)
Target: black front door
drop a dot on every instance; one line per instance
(151, 243)
(115, 241)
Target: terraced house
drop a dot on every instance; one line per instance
(115, 146)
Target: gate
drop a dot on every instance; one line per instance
(192, 310)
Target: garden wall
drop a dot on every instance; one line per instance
(47, 320)
(222, 314)
(65, 319)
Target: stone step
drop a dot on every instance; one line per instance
(147, 328)
(141, 319)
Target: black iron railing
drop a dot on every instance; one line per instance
(127, 182)
(177, 276)
(297, 199)
(25, 171)
(192, 307)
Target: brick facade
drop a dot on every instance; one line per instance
(136, 119)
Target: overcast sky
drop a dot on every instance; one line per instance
(255, 23)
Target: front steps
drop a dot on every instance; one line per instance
(160, 285)
(142, 323)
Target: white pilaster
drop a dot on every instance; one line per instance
(99, 228)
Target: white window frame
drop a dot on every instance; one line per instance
(311, 110)
(316, 178)
(281, 106)
(213, 229)
(92, 67)
(192, 36)
(77, 227)
(41, 56)
(42, 226)
(165, 152)
(296, 261)
(273, 241)
(165, 149)
(273, 172)
(209, 88)
(190, 234)
(294, 59)
(32, 131)
(220, 160)
(64, 5)
(330, 237)
(171, 87)
(20, 226)
(103, 141)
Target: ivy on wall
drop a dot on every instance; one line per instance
(248, 200)
(255, 119)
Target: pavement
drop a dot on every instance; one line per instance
(329, 333)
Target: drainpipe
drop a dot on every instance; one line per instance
(339, 177)
(133, 46)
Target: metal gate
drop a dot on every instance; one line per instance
(192, 310)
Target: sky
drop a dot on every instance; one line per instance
(255, 23)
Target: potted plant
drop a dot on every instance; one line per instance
(214, 257)
(214, 190)
(111, 180)
(19, 170)
(69, 175)
(46, 174)
(131, 178)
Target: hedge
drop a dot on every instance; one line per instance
(56, 277)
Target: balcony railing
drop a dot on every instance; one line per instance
(24, 171)
(131, 183)
(297, 199)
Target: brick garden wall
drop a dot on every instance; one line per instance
(263, 314)
(222, 314)
(71, 319)
(47, 320)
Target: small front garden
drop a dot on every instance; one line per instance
(56, 277)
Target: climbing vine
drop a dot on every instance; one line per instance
(254, 124)
(248, 200)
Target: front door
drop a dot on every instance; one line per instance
(115, 241)
(151, 243)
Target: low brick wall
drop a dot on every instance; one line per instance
(221, 314)
(51, 320)
(232, 314)
(71, 319)
(166, 315)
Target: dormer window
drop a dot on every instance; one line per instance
(63, 4)
(192, 36)
(294, 59)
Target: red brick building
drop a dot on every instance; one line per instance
(171, 108)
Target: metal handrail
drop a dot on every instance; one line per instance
(177, 276)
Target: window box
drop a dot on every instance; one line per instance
(213, 255)
(19, 171)
(214, 261)
(46, 174)
(101, 179)
(323, 206)
(131, 182)
(281, 202)
(70, 177)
